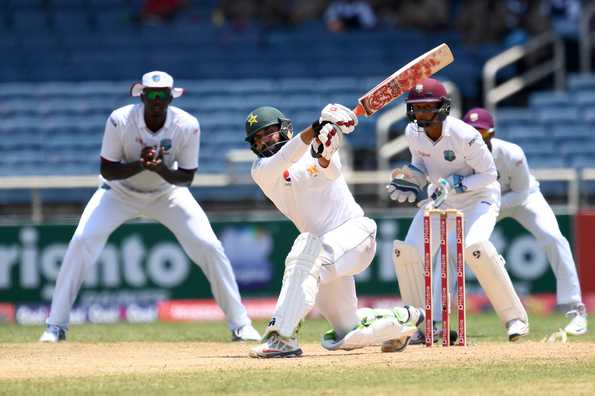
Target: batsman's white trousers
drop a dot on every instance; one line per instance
(538, 218)
(179, 212)
(346, 251)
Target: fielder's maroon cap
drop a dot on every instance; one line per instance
(429, 90)
(479, 118)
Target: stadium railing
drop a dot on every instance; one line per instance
(587, 38)
(571, 176)
(493, 94)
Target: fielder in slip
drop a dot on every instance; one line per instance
(462, 175)
(522, 200)
(149, 156)
(302, 176)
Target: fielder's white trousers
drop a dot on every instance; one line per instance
(538, 218)
(179, 212)
(346, 251)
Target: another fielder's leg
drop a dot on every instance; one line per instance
(537, 217)
(488, 266)
(185, 218)
(104, 212)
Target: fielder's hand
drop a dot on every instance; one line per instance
(327, 143)
(150, 158)
(339, 115)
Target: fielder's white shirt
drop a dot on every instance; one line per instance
(516, 180)
(126, 134)
(314, 198)
(459, 151)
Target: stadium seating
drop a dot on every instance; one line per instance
(556, 130)
(71, 62)
(104, 39)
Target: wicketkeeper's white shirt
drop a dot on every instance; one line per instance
(459, 151)
(126, 134)
(315, 199)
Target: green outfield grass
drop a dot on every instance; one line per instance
(481, 327)
(483, 375)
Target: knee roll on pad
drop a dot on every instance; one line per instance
(409, 271)
(488, 266)
(300, 285)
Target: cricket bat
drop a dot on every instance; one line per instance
(403, 80)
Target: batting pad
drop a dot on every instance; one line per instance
(488, 266)
(300, 285)
(410, 276)
(369, 333)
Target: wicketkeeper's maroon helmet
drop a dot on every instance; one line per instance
(428, 91)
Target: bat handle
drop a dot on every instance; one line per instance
(359, 110)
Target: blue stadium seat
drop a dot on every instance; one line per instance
(521, 132)
(514, 116)
(550, 100)
(62, 4)
(71, 21)
(571, 148)
(30, 20)
(572, 131)
(580, 82)
(585, 99)
(562, 116)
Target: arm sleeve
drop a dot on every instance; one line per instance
(289, 154)
(519, 184)
(188, 158)
(416, 160)
(111, 146)
(479, 158)
(333, 170)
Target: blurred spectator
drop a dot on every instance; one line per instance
(483, 21)
(159, 11)
(346, 15)
(422, 14)
(238, 13)
(293, 12)
(565, 16)
(525, 18)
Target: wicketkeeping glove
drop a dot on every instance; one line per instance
(339, 115)
(401, 190)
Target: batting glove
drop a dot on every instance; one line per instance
(327, 143)
(339, 115)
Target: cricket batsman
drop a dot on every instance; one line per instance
(302, 176)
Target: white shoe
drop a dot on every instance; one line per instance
(276, 346)
(245, 333)
(578, 324)
(53, 333)
(516, 329)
